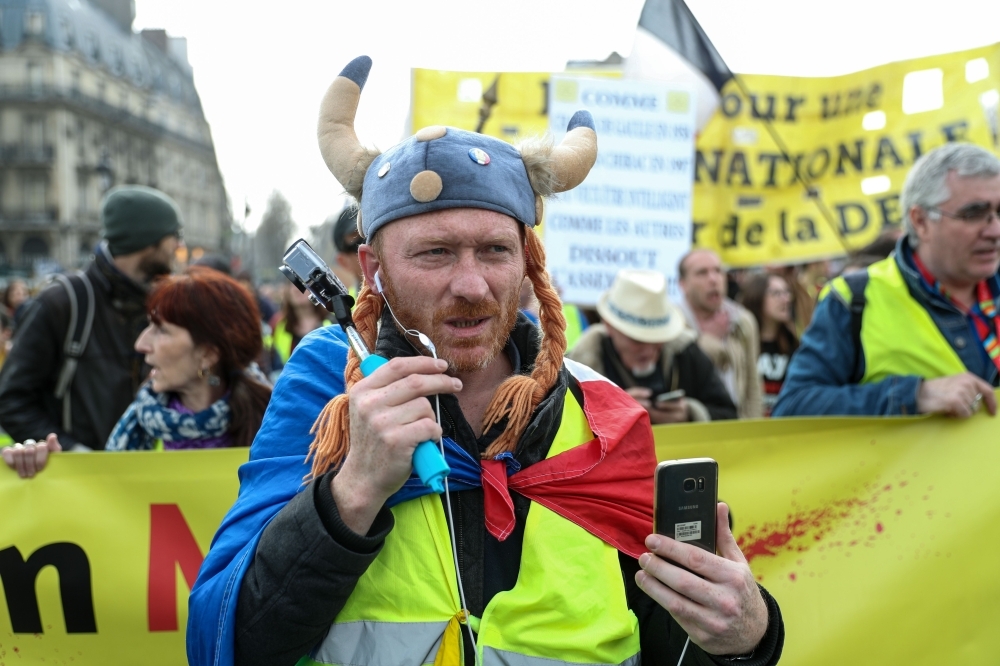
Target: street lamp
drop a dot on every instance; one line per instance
(105, 172)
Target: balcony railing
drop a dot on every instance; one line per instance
(73, 96)
(20, 154)
(18, 218)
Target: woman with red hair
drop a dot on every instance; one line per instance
(204, 389)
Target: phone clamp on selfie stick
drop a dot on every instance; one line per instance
(311, 275)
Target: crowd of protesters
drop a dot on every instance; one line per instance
(187, 361)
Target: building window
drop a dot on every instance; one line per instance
(68, 38)
(74, 81)
(102, 89)
(34, 23)
(34, 75)
(34, 249)
(35, 193)
(84, 199)
(34, 132)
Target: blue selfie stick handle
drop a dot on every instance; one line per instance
(428, 462)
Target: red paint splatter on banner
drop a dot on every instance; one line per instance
(806, 529)
(791, 576)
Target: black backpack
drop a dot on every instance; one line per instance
(81, 322)
(857, 281)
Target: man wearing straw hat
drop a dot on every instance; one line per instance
(645, 347)
(539, 550)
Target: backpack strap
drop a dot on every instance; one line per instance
(81, 323)
(857, 282)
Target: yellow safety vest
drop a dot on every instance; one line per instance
(281, 338)
(567, 607)
(574, 327)
(898, 335)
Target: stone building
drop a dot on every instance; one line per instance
(86, 103)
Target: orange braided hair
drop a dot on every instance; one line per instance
(515, 399)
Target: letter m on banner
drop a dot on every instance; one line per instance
(171, 544)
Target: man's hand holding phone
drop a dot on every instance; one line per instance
(664, 408)
(716, 601)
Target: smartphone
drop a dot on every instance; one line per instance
(670, 397)
(685, 499)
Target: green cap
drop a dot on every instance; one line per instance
(136, 217)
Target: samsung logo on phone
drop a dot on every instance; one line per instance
(687, 506)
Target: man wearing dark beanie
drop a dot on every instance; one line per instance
(63, 385)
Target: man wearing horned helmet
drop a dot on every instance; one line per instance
(540, 551)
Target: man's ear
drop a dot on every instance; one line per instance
(919, 220)
(369, 264)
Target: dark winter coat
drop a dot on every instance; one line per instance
(108, 375)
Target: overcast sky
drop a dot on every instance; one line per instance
(261, 69)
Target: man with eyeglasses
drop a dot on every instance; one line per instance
(916, 333)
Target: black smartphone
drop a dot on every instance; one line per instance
(669, 397)
(684, 501)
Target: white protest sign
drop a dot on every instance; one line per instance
(634, 209)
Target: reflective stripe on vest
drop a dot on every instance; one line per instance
(898, 335)
(404, 608)
(494, 657)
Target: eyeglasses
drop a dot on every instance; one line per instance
(979, 212)
(779, 293)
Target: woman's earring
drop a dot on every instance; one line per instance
(212, 379)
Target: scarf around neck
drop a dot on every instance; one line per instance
(154, 416)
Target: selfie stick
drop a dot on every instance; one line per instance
(310, 274)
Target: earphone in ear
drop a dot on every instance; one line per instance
(378, 283)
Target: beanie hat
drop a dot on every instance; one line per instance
(345, 227)
(135, 217)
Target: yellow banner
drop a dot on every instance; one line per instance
(98, 553)
(875, 535)
(853, 138)
(520, 106)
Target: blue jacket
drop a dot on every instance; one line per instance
(274, 474)
(819, 376)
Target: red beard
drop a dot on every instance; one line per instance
(459, 352)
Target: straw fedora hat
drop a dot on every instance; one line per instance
(637, 305)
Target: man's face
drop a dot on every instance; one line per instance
(639, 357)
(704, 282)
(454, 275)
(961, 252)
(158, 259)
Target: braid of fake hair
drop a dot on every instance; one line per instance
(332, 428)
(519, 396)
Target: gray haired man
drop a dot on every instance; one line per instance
(918, 332)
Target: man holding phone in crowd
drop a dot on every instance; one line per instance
(916, 333)
(644, 346)
(327, 569)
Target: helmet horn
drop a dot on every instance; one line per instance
(576, 154)
(344, 155)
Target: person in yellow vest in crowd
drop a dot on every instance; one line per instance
(298, 317)
(363, 563)
(347, 239)
(916, 333)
